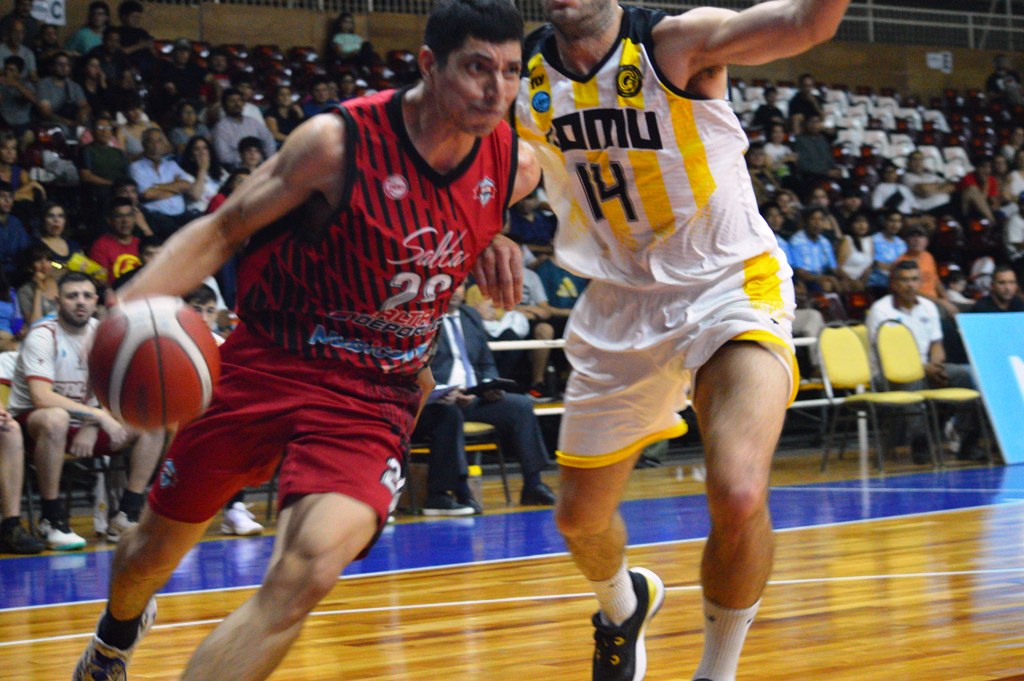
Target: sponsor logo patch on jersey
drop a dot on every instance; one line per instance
(396, 187)
(484, 191)
(629, 81)
(541, 102)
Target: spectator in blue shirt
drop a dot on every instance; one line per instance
(163, 185)
(888, 248)
(13, 237)
(814, 261)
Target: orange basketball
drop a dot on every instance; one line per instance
(154, 363)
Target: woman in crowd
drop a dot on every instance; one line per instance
(188, 127)
(37, 298)
(856, 254)
(94, 85)
(199, 160)
(136, 123)
(51, 234)
(283, 115)
(25, 189)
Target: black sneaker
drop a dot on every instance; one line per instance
(619, 653)
(21, 541)
(539, 394)
(478, 509)
(445, 505)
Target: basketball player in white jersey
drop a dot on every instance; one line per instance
(643, 164)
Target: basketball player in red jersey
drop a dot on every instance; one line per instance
(356, 234)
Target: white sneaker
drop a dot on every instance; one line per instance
(118, 525)
(239, 520)
(58, 536)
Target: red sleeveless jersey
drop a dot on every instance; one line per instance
(369, 287)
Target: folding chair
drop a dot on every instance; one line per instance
(900, 361)
(845, 367)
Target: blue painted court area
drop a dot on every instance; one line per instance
(223, 564)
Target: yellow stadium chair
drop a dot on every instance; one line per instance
(480, 438)
(846, 369)
(900, 360)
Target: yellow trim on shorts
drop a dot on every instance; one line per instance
(762, 336)
(602, 460)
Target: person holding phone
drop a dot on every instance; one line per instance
(469, 389)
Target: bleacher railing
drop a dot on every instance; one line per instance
(870, 22)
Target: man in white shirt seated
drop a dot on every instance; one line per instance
(921, 316)
(932, 193)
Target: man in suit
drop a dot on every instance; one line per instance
(463, 361)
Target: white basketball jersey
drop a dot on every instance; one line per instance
(51, 354)
(648, 182)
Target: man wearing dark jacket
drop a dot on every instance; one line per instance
(462, 362)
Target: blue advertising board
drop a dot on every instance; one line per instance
(995, 346)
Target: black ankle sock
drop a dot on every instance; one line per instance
(9, 524)
(131, 504)
(118, 633)
(53, 509)
(531, 480)
(462, 492)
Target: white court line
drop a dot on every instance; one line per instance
(548, 597)
(541, 556)
(900, 490)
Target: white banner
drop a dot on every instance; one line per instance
(50, 11)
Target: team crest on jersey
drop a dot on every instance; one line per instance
(168, 475)
(396, 187)
(484, 191)
(541, 102)
(628, 81)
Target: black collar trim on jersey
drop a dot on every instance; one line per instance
(394, 109)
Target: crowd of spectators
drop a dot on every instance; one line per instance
(854, 181)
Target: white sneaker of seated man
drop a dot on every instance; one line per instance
(239, 520)
(58, 536)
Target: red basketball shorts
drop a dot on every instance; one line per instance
(330, 427)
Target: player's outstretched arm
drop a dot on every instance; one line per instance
(310, 161)
(768, 31)
(499, 269)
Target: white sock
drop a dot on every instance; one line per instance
(724, 633)
(616, 596)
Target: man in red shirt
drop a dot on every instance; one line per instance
(118, 250)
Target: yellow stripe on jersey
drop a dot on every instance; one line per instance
(762, 284)
(650, 187)
(695, 157)
(540, 98)
(585, 95)
(628, 81)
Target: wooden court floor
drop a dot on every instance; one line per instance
(931, 596)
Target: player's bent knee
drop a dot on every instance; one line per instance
(734, 504)
(302, 582)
